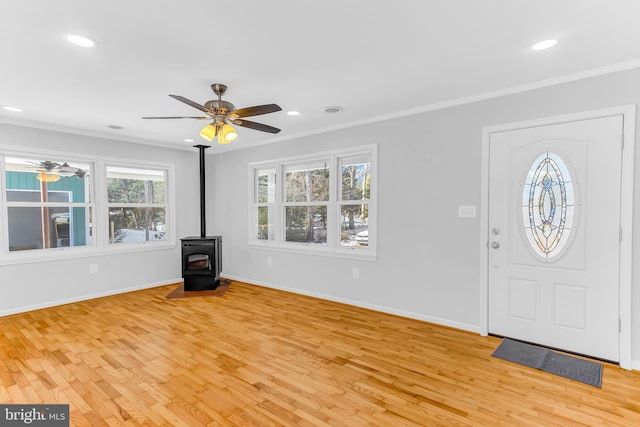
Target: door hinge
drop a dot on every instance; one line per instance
(620, 236)
(619, 325)
(622, 141)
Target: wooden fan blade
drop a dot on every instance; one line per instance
(197, 118)
(192, 103)
(256, 126)
(255, 111)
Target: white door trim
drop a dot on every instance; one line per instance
(626, 214)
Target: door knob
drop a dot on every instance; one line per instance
(495, 245)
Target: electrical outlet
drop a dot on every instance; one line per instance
(269, 260)
(356, 273)
(467, 211)
(93, 268)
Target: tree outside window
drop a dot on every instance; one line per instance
(354, 201)
(306, 198)
(137, 205)
(264, 202)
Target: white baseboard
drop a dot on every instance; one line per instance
(375, 307)
(24, 309)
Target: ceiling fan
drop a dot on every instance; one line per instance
(224, 114)
(50, 171)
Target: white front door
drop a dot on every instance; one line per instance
(554, 235)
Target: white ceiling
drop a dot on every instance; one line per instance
(376, 59)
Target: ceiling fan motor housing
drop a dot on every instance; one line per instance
(220, 107)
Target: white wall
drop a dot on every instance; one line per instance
(429, 164)
(34, 285)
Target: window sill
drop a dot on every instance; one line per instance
(60, 254)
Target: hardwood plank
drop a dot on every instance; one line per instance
(258, 356)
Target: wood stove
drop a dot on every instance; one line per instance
(202, 255)
(201, 262)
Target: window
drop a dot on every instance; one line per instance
(48, 203)
(265, 199)
(355, 193)
(49, 208)
(323, 203)
(306, 189)
(137, 204)
(548, 206)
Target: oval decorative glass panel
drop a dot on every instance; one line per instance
(548, 207)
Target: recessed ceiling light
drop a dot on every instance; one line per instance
(14, 109)
(293, 113)
(188, 140)
(116, 127)
(332, 110)
(545, 44)
(81, 41)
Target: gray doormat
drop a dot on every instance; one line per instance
(550, 361)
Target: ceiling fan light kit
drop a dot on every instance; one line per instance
(224, 114)
(47, 177)
(227, 134)
(209, 132)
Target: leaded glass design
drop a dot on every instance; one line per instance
(548, 206)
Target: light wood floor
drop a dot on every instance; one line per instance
(257, 356)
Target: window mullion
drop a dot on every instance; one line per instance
(280, 204)
(333, 228)
(277, 215)
(4, 220)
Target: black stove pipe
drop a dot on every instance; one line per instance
(203, 215)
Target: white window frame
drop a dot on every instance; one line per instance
(100, 238)
(332, 247)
